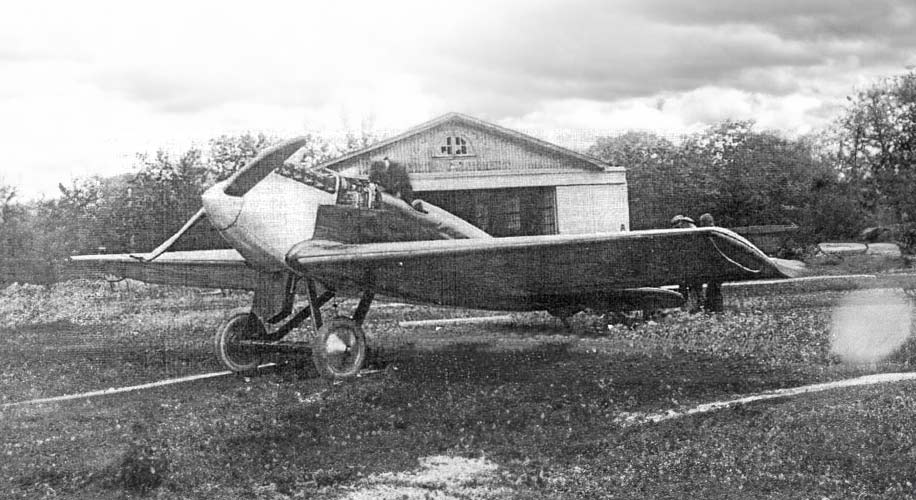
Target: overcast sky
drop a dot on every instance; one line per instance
(86, 85)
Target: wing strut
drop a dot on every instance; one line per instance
(164, 247)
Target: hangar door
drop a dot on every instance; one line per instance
(502, 212)
(595, 208)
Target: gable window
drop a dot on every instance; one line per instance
(455, 146)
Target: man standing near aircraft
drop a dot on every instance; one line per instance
(692, 292)
(682, 222)
(713, 303)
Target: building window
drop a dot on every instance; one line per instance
(455, 146)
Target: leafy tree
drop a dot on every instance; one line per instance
(71, 221)
(876, 139)
(14, 237)
(354, 141)
(229, 153)
(316, 151)
(135, 212)
(161, 197)
(750, 178)
(7, 193)
(742, 176)
(31, 239)
(652, 175)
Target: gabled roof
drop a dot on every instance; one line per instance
(591, 162)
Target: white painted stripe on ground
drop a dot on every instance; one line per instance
(629, 419)
(120, 390)
(824, 281)
(457, 321)
(393, 305)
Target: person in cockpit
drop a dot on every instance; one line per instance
(392, 178)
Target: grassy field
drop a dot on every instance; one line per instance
(534, 406)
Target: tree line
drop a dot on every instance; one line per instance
(742, 176)
(859, 172)
(136, 211)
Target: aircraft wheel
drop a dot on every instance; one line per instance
(339, 349)
(240, 325)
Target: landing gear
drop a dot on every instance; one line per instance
(339, 349)
(241, 325)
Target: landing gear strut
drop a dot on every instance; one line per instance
(338, 350)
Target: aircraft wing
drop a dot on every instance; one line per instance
(531, 271)
(199, 268)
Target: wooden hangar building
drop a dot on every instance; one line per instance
(504, 182)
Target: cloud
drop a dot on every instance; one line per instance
(479, 57)
(809, 20)
(598, 51)
(575, 123)
(881, 31)
(166, 91)
(122, 77)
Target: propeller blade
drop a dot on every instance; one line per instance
(161, 249)
(258, 168)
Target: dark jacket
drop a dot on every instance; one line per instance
(392, 178)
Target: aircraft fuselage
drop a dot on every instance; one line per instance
(268, 220)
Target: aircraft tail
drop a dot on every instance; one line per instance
(790, 268)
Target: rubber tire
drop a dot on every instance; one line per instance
(323, 360)
(240, 324)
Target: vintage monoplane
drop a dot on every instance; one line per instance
(324, 234)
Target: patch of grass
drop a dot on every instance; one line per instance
(851, 444)
(141, 469)
(858, 264)
(534, 397)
